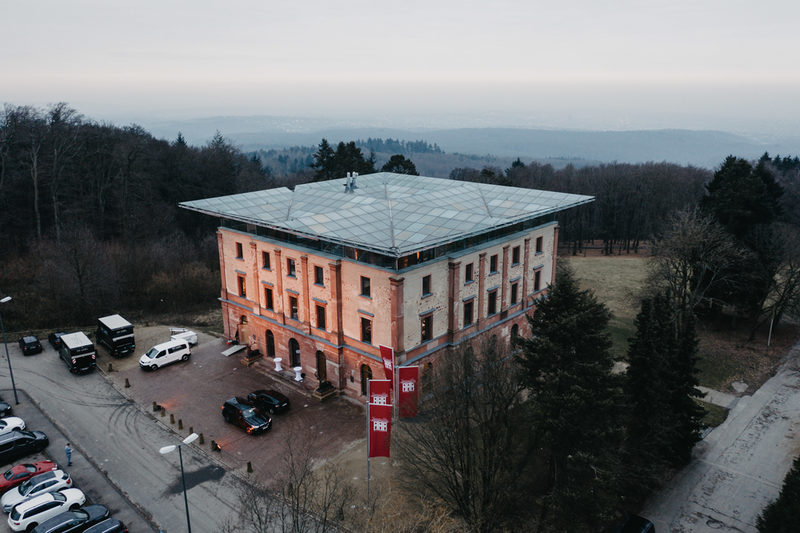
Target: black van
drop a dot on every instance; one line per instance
(18, 444)
(78, 353)
(116, 334)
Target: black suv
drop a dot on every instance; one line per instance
(21, 443)
(75, 520)
(239, 412)
(268, 401)
(30, 345)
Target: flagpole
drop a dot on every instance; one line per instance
(368, 442)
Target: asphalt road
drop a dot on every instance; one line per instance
(123, 440)
(739, 467)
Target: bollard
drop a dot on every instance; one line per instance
(171, 418)
(180, 423)
(155, 407)
(202, 440)
(214, 446)
(127, 383)
(191, 430)
(110, 368)
(163, 412)
(249, 467)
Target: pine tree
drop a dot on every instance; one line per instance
(780, 516)
(575, 400)
(324, 162)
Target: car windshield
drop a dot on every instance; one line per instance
(59, 497)
(250, 412)
(151, 353)
(26, 486)
(9, 474)
(15, 514)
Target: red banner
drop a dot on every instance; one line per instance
(380, 427)
(387, 354)
(408, 377)
(380, 391)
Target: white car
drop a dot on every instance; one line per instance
(27, 515)
(35, 486)
(166, 353)
(11, 423)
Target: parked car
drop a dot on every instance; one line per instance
(30, 345)
(21, 443)
(109, 525)
(29, 514)
(268, 400)
(39, 484)
(74, 521)
(238, 412)
(165, 353)
(5, 408)
(11, 423)
(55, 339)
(19, 473)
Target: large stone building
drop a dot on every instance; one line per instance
(321, 275)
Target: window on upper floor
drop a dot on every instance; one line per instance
(493, 264)
(293, 307)
(265, 260)
(468, 273)
(365, 286)
(539, 244)
(268, 298)
(426, 327)
(426, 285)
(290, 268)
(514, 287)
(366, 330)
(491, 303)
(239, 251)
(321, 316)
(515, 255)
(537, 281)
(319, 275)
(468, 313)
(242, 285)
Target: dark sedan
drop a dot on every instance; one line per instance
(239, 412)
(30, 345)
(74, 521)
(269, 401)
(55, 339)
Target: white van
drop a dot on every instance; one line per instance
(166, 353)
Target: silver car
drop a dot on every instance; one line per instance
(39, 484)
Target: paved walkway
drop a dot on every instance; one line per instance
(723, 399)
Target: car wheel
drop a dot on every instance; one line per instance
(31, 527)
(154, 367)
(74, 506)
(185, 357)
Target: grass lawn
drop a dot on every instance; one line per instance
(715, 414)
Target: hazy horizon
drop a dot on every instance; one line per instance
(625, 65)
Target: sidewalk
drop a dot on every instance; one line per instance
(723, 399)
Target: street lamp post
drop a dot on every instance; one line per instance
(5, 343)
(167, 449)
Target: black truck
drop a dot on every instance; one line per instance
(116, 334)
(78, 353)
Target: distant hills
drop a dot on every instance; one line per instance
(704, 149)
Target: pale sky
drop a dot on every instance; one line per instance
(618, 64)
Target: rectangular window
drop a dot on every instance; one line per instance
(265, 260)
(491, 303)
(515, 255)
(539, 241)
(319, 275)
(468, 273)
(242, 286)
(364, 286)
(468, 313)
(493, 264)
(513, 293)
(426, 285)
(366, 330)
(321, 317)
(427, 328)
(537, 281)
(290, 268)
(268, 298)
(293, 307)
(239, 252)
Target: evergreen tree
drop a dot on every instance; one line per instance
(687, 414)
(781, 515)
(324, 162)
(575, 400)
(400, 165)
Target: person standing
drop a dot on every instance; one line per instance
(68, 451)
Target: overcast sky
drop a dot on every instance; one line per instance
(618, 64)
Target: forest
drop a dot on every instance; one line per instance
(90, 222)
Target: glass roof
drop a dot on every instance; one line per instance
(394, 214)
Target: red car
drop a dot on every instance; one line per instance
(17, 474)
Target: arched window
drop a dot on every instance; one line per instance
(366, 375)
(294, 352)
(270, 344)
